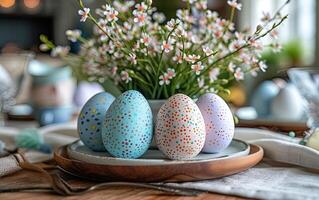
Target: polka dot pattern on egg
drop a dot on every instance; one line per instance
(180, 128)
(218, 121)
(91, 119)
(128, 126)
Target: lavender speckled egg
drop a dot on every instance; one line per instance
(91, 119)
(128, 126)
(218, 121)
(180, 128)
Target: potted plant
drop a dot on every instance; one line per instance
(135, 47)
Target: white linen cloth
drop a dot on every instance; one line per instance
(264, 181)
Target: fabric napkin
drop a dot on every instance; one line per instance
(264, 181)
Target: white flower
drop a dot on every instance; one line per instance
(239, 75)
(170, 73)
(266, 17)
(192, 58)
(60, 51)
(84, 14)
(141, 7)
(207, 51)
(114, 70)
(172, 23)
(125, 77)
(139, 18)
(213, 74)
(235, 45)
(201, 5)
(256, 44)
(159, 17)
(262, 66)
(111, 14)
(231, 67)
(201, 82)
(178, 57)
(73, 35)
(132, 58)
(180, 32)
(190, 1)
(123, 7)
(197, 68)
(167, 47)
(145, 39)
(274, 34)
(44, 47)
(164, 79)
(234, 4)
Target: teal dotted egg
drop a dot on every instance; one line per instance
(91, 119)
(128, 126)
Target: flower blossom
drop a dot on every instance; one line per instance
(207, 51)
(145, 39)
(142, 7)
(262, 66)
(159, 17)
(125, 77)
(164, 79)
(234, 4)
(172, 23)
(213, 74)
(201, 82)
(231, 67)
(239, 75)
(60, 51)
(139, 18)
(84, 14)
(111, 14)
(167, 47)
(132, 58)
(171, 73)
(114, 70)
(178, 57)
(44, 47)
(201, 5)
(266, 17)
(197, 68)
(73, 35)
(192, 58)
(274, 34)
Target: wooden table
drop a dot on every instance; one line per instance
(24, 177)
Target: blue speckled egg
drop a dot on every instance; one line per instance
(91, 118)
(128, 126)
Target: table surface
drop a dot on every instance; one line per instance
(23, 178)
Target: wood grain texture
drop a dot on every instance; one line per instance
(155, 173)
(114, 194)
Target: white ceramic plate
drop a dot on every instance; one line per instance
(80, 152)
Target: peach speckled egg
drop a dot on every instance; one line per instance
(218, 121)
(180, 128)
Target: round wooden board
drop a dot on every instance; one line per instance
(155, 173)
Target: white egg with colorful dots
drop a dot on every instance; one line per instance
(219, 122)
(180, 128)
(91, 119)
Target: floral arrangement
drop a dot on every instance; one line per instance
(134, 47)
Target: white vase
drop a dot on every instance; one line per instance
(155, 106)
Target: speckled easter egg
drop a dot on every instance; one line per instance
(180, 128)
(128, 126)
(91, 119)
(218, 121)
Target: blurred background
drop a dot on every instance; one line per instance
(22, 22)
